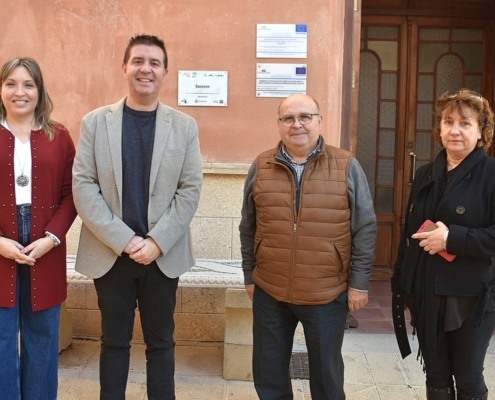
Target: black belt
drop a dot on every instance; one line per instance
(398, 303)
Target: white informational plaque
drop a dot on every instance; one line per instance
(280, 80)
(281, 41)
(203, 88)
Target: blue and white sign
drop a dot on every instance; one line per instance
(281, 40)
(280, 80)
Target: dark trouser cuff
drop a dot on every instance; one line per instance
(447, 393)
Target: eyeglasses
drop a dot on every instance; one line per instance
(303, 119)
(453, 95)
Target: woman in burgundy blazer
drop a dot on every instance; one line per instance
(36, 211)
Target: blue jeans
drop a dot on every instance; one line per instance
(126, 285)
(274, 325)
(31, 374)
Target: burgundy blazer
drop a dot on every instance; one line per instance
(52, 209)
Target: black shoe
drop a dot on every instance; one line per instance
(351, 322)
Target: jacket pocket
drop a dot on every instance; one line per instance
(341, 261)
(257, 245)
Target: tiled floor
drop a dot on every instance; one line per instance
(373, 368)
(373, 371)
(376, 317)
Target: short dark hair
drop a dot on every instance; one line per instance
(148, 40)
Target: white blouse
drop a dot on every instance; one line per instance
(22, 165)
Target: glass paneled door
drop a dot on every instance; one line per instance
(405, 64)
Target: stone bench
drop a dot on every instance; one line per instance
(238, 345)
(212, 307)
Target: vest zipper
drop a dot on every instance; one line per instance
(295, 186)
(297, 212)
(294, 238)
(294, 230)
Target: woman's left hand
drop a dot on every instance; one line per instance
(39, 247)
(432, 241)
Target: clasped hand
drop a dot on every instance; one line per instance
(143, 251)
(25, 255)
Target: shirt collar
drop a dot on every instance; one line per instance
(316, 150)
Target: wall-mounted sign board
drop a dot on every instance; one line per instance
(281, 41)
(203, 88)
(280, 80)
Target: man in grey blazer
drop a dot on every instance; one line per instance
(137, 182)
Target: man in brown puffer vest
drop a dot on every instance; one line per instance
(308, 232)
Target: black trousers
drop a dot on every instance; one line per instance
(274, 324)
(127, 285)
(461, 356)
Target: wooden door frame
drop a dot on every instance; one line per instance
(389, 225)
(350, 76)
(430, 8)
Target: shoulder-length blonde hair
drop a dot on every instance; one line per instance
(44, 107)
(450, 101)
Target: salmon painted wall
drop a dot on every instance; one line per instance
(80, 45)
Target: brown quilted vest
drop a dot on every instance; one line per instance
(303, 258)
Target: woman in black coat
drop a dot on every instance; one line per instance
(451, 299)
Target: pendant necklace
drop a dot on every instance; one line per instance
(22, 180)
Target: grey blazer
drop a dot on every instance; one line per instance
(175, 185)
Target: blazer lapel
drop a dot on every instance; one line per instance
(162, 132)
(114, 133)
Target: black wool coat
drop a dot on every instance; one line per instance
(467, 207)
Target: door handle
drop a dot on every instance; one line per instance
(413, 166)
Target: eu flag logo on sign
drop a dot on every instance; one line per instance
(301, 28)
